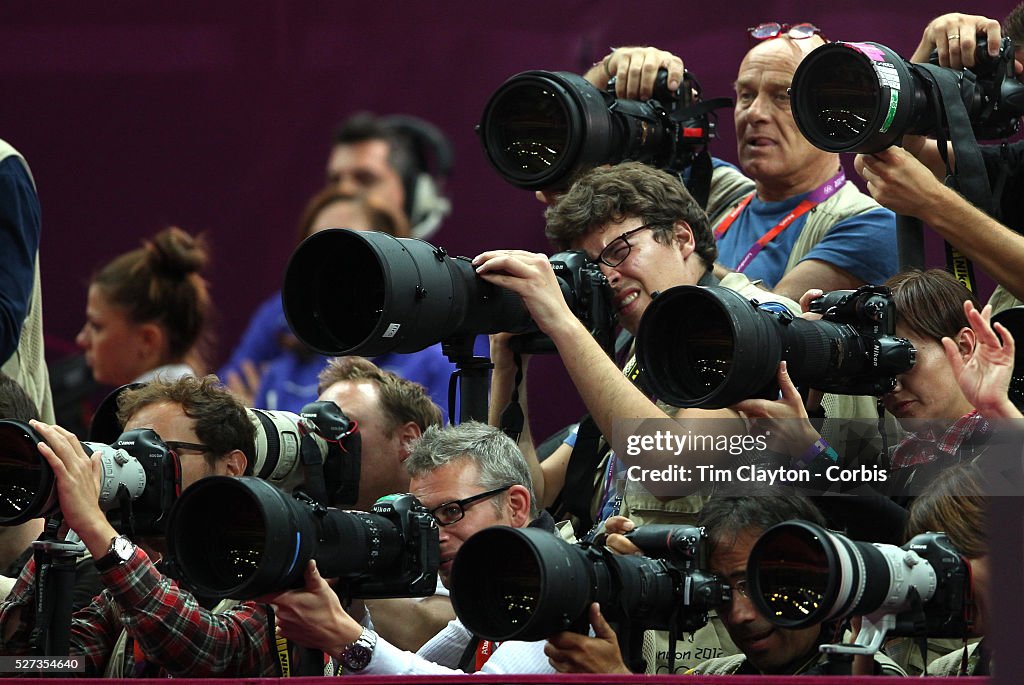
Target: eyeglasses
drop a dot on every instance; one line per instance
(193, 446)
(453, 512)
(615, 252)
(774, 29)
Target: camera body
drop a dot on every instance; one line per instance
(525, 583)
(588, 294)
(871, 313)
(541, 128)
(242, 538)
(414, 573)
(141, 480)
(685, 552)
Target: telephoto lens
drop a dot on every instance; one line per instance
(711, 347)
(139, 478)
(542, 128)
(242, 538)
(800, 575)
(26, 479)
(863, 97)
(525, 583)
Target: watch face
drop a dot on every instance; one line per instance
(357, 657)
(123, 548)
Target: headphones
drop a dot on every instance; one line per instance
(433, 157)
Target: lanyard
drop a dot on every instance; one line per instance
(813, 199)
(483, 652)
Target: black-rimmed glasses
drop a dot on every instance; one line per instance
(178, 446)
(616, 252)
(773, 29)
(453, 512)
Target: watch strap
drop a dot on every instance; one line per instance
(112, 559)
(357, 655)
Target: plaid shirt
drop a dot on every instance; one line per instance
(166, 622)
(921, 448)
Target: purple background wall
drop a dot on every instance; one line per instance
(216, 116)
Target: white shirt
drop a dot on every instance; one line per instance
(441, 655)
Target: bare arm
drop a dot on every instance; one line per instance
(814, 273)
(898, 181)
(502, 384)
(408, 623)
(607, 394)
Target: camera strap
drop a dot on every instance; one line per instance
(578, 490)
(315, 484)
(512, 419)
(695, 125)
(969, 177)
(476, 654)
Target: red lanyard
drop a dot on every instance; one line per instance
(483, 652)
(813, 199)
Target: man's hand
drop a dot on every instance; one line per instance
(899, 181)
(635, 70)
(529, 275)
(955, 37)
(616, 527)
(784, 419)
(312, 616)
(78, 486)
(570, 652)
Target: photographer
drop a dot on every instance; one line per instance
(955, 504)
(144, 623)
(947, 424)
(837, 237)
(647, 234)
(910, 180)
(469, 477)
(392, 413)
(733, 524)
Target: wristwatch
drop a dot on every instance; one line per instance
(120, 550)
(357, 655)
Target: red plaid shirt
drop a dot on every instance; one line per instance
(166, 622)
(921, 448)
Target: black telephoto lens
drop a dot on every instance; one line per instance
(525, 583)
(541, 127)
(242, 538)
(711, 347)
(26, 479)
(366, 293)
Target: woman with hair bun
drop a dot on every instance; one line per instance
(147, 312)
